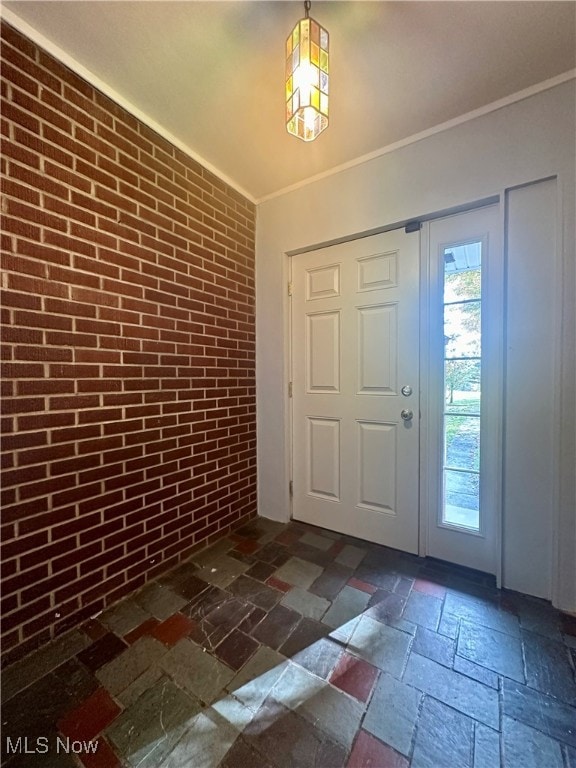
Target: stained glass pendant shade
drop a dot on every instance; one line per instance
(307, 75)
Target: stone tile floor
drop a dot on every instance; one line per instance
(294, 647)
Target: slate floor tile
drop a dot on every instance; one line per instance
(90, 718)
(295, 686)
(172, 629)
(306, 633)
(476, 672)
(206, 740)
(477, 611)
(444, 737)
(198, 672)
(349, 603)
(222, 571)
(255, 592)
(335, 713)
(188, 587)
(404, 586)
(212, 553)
(305, 603)
(206, 634)
(331, 581)
(242, 755)
(140, 685)
(486, 747)
(143, 629)
(354, 676)
(34, 711)
(368, 752)
(491, 649)
(102, 651)
(281, 586)
(568, 624)
(288, 537)
(457, 691)
(148, 730)
(449, 625)
(434, 646)
(351, 556)
(548, 668)
(314, 540)
(229, 613)
(524, 746)
(94, 629)
(124, 617)
(299, 573)
(159, 601)
(275, 628)
(386, 607)
(247, 546)
(570, 756)
(362, 585)
(383, 579)
(393, 713)
(273, 554)
(544, 713)
(189, 653)
(34, 667)
(236, 649)
(319, 557)
(51, 759)
(320, 657)
(252, 620)
(233, 711)
(380, 645)
(260, 571)
(253, 683)
(423, 609)
(289, 740)
(538, 617)
(104, 757)
(201, 605)
(124, 669)
(430, 588)
(77, 680)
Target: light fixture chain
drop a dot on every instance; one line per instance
(307, 5)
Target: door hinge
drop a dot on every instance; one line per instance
(289, 389)
(413, 226)
(290, 288)
(291, 488)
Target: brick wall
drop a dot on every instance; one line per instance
(128, 352)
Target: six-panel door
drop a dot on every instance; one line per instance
(355, 320)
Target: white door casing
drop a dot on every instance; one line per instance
(355, 329)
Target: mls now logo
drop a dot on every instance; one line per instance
(40, 746)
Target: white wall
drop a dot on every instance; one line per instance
(529, 140)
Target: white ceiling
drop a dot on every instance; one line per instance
(212, 73)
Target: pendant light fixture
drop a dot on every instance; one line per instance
(307, 78)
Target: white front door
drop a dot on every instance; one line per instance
(462, 402)
(355, 361)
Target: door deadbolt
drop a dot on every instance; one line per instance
(406, 390)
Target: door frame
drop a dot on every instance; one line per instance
(499, 198)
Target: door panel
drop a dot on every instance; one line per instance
(355, 320)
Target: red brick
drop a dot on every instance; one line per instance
(114, 303)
